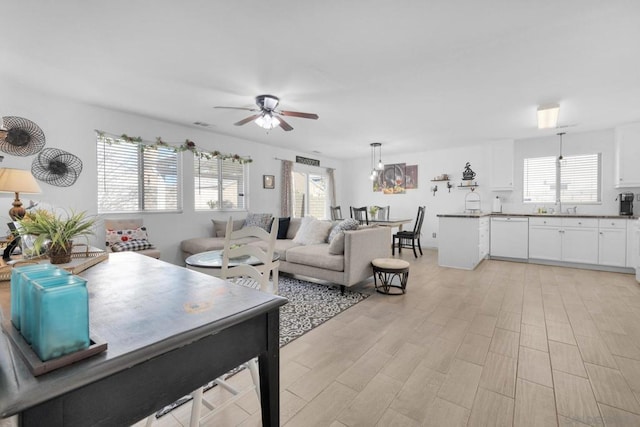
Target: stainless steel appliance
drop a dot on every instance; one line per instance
(626, 203)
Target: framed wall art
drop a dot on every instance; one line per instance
(269, 181)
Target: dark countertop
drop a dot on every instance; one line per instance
(556, 215)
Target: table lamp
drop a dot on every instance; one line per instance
(17, 181)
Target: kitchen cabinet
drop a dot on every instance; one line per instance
(564, 239)
(502, 153)
(633, 244)
(545, 239)
(612, 242)
(627, 153)
(463, 242)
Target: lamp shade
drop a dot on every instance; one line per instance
(18, 181)
(548, 116)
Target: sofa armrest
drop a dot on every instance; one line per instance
(360, 248)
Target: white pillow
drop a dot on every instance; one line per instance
(336, 247)
(312, 231)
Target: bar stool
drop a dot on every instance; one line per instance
(388, 269)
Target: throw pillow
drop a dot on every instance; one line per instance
(115, 236)
(262, 220)
(220, 227)
(283, 227)
(347, 224)
(131, 245)
(312, 231)
(336, 247)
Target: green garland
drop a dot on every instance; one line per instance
(187, 145)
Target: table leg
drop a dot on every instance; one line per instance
(270, 372)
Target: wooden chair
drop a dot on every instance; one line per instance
(336, 213)
(408, 239)
(255, 276)
(360, 214)
(382, 213)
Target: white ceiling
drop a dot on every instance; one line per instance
(411, 74)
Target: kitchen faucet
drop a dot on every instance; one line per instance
(572, 210)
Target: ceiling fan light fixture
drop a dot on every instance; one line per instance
(267, 121)
(548, 116)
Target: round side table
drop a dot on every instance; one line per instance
(386, 270)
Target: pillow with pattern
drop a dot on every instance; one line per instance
(131, 245)
(116, 236)
(347, 224)
(262, 220)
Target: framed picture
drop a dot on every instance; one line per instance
(269, 181)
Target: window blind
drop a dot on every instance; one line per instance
(539, 180)
(219, 184)
(133, 180)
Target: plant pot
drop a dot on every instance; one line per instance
(60, 254)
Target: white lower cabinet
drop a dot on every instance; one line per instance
(545, 239)
(564, 239)
(463, 242)
(612, 242)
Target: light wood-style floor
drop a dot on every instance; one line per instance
(506, 344)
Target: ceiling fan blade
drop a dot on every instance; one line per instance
(238, 108)
(247, 120)
(298, 114)
(284, 125)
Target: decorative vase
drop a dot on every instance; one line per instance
(59, 254)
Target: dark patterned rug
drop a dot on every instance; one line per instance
(310, 305)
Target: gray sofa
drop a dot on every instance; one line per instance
(314, 261)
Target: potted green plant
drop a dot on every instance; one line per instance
(54, 234)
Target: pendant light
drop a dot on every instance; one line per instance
(560, 158)
(376, 161)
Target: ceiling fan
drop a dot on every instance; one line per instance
(267, 115)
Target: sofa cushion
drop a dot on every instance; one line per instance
(336, 247)
(283, 227)
(281, 247)
(116, 236)
(220, 227)
(203, 244)
(316, 256)
(262, 220)
(294, 226)
(312, 231)
(347, 224)
(131, 245)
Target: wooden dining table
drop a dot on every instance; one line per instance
(169, 330)
(391, 222)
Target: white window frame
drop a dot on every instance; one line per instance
(219, 205)
(560, 182)
(107, 153)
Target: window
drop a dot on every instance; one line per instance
(219, 184)
(310, 194)
(134, 179)
(579, 178)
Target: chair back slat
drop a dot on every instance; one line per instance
(382, 212)
(417, 228)
(336, 213)
(360, 214)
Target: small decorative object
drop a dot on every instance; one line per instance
(269, 181)
(434, 189)
(449, 186)
(23, 137)
(468, 174)
(54, 234)
(373, 211)
(56, 167)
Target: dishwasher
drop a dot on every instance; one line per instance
(510, 237)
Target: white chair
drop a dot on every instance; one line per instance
(255, 276)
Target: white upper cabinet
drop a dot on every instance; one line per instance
(627, 156)
(502, 165)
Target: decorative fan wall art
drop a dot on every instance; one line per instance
(56, 167)
(23, 138)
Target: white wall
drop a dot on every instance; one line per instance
(70, 126)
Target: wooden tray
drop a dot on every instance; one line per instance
(37, 366)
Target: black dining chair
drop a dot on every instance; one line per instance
(336, 213)
(408, 239)
(360, 214)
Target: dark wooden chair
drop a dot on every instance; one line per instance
(408, 239)
(336, 213)
(360, 214)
